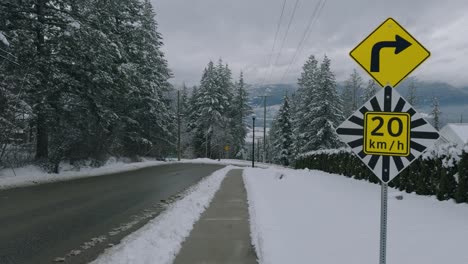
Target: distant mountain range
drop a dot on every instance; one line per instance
(453, 101)
(447, 94)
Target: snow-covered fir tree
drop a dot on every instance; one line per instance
(240, 110)
(435, 112)
(326, 111)
(281, 135)
(370, 90)
(412, 96)
(352, 93)
(95, 75)
(303, 105)
(317, 108)
(212, 111)
(184, 113)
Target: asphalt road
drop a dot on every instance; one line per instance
(76, 220)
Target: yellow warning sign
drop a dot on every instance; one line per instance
(227, 148)
(390, 53)
(387, 133)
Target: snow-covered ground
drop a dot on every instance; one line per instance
(160, 240)
(315, 217)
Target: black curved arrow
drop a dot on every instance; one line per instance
(400, 44)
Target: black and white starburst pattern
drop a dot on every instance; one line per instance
(422, 134)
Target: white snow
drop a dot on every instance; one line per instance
(315, 217)
(456, 133)
(31, 175)
(3, 39)
(160, 240)
(245, 163)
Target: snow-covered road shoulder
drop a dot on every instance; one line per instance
(160, 240)
(32, 175)
(301, 216)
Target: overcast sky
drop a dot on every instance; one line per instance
(241, 32)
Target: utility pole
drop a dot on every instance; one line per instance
(264, 129)
(206, 144)
(178, 125)
(253, 140)
(258, 151)
(264, 126)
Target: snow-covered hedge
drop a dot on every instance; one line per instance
(441, 171)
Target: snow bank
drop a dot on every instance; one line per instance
(326, 152)
(160, 240)
(245, 163)
(31, 175)
(315, 217)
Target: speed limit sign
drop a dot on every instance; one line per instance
(387, 134)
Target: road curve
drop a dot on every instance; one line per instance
(42, 223)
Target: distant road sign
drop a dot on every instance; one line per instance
(389, 53)
(227, 148)
(387, 134)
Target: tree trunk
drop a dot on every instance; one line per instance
(42, 137)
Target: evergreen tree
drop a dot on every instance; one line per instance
(282, 137)
(412, 93)
(212, 111)
(184, 101)
(370, 90)
(352, 93)
(305, 96)
(184, 112)
(461, 193)
(95, 75)
(240, 110)
(435, 113)
(325, 113)
(296, 138)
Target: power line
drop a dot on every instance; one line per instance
(275, 39)
(317, 10)
(286, 34)
(313, 18)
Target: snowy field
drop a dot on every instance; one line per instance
(160, 240)
(315, 217)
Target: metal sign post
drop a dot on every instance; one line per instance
(383, 223)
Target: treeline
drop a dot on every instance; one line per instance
(83, 79)
(213, 115)
(307, 120)
(438, 174)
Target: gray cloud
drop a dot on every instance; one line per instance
(242, 32)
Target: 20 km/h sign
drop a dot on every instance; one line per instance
(387, 134)
(389, 53)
